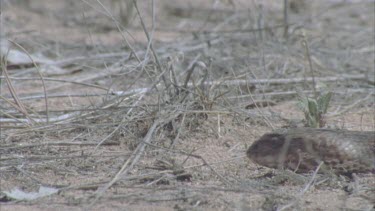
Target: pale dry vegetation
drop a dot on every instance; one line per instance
(151, 106)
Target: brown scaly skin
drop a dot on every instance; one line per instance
(302, 149)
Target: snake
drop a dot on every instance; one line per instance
(304, 149)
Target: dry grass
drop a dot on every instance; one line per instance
(155, 109)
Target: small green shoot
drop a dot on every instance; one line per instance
(315, 109)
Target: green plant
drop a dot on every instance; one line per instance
(314, 108)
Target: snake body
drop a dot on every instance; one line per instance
(303, 149)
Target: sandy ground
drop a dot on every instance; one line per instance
(195, 159)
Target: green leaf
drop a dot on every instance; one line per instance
(323, 102)
(312, 121)
(302, 103)
(313, 107)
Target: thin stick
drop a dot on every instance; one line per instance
(341, 77)
(308, 56)
(118, 28)
(352, 106)
(60, 143)
(40, 76)
(128, 165)
(307, 186)
(149, 38)
(205, 163)
(286, 26)
(57, 80)
(18, 104)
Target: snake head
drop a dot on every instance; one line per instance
(266, 150)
